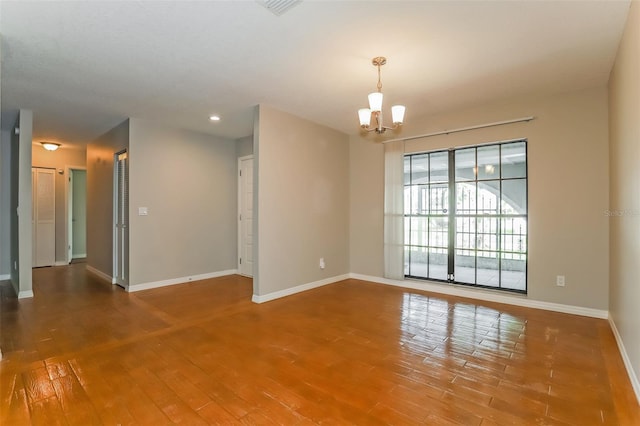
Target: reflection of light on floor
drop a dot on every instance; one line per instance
(435, 326)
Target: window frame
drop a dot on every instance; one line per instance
(452, 216)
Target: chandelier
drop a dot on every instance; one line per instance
(375, 106)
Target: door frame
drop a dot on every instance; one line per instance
(124, 283)
(68, 206)
(240, 239)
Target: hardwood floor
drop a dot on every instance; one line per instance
(84, 352)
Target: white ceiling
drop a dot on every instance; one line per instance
(83, 67)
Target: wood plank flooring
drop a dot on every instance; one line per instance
(83, 352)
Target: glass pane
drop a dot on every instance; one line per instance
(465, 264)
(438, 263)
(487, 234)
(514, 273)
(439, 232)
(417, 261)
(466, 198)
(514, 160)
(407, 170)
(422, 199)
(489, 162)
(514, 196)
(466, 233)
(488, 197)
(418, 233)
(513, 240)
(407, 258)
(465, 164)
(439, 199)
(488, 268)
(420, 168)
(418, 203)
(439, 167)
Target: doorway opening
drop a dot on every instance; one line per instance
(121, 220)
(76, 214)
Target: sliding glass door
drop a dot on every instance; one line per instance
(466, 215)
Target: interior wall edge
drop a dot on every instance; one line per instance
(633, 376)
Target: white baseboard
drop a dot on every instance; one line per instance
(79, 256)
(180, 280)
(487, 295)
(297, 289)
(635, 382)
(5, 277)
(60, 263)
(99, 274)
(25, 294)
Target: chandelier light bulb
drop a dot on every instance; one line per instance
(397, 114)
(375, 101)
(365, 117)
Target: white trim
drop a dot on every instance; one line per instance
(60, 263)
(5, 277)
(180, 280)
(297, 289)
(25, 294)
(79, 256)
(67, 208)
(99, 274)
(487, 295)
(633, 377)
(239, 222)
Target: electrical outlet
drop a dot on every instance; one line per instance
(322, 265)
(560, 280)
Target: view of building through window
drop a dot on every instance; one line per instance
(478, 236)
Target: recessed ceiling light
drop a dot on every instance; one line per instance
(214, 118)
(50, 146)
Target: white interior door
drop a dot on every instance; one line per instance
(121, 210)
(245, 216)
(44, 216)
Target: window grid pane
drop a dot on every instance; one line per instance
(489, 246)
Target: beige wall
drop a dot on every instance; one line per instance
(188, 183)
(624, 133)
(59, 160)
(303, 201)
(100, 196)
(568, 189)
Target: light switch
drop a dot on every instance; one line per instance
(143, 211)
